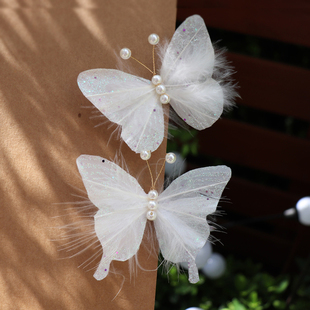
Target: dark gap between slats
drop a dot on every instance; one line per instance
(285, 124)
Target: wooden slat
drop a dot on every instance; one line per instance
(272, 86)
(248, 200)
(249, 242)
(263, 4)
(272, 250)
(268, 20)
(258, 148)
(256, 200)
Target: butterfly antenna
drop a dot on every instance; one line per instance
(142, 64)
(153, 53)
(151, 174)
(125, 53)
(161, 170)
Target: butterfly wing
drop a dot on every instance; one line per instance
(129, 101)
(121, 218)
(181, 225)
(187, 70)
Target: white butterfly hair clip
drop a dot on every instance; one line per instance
(191, 78)
(179, 212)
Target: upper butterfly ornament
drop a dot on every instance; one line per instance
(191, 79)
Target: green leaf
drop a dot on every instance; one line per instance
(206, 306)
(241, 282)
(279, 288)
(279, 304)
(185, 150)
(253, 297)
(282, 286)
(194, 148)
(236, 305)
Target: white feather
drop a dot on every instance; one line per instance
(199, 105)
(181, 225)
(222, 73)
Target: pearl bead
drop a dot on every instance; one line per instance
(152, 194)
(153, 39)
(156, 79)
(152, 205)
(125, 53)
(179, 167)
(151, 215)
(164, 99)
(145, 155)
(160, 89)
(170, 158)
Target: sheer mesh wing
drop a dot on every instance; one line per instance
(120, 220)
(129, 101)
(181, 224)
(190, 55)
(187, 70)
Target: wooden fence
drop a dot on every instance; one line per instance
(279, 160)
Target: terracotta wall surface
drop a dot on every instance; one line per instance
(44, 45)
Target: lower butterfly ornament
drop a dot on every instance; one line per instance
(179, 212)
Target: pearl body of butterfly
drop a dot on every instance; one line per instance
(152, 205)
(160, 89)
(153, 194)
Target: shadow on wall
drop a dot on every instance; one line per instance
(43, 129)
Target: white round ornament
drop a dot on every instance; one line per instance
(303, 210)
(215, 266)
(203, 255)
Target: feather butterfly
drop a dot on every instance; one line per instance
(191, 78)
(179, 212)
